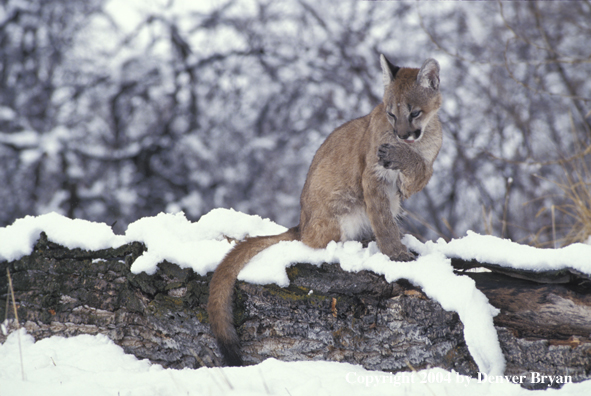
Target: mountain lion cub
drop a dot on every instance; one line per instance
(355, 184)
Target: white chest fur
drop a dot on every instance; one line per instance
(355, 224)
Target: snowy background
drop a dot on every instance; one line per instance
(113, 110)
(94, 364)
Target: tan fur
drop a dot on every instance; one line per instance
(355, 184)
(221, 289)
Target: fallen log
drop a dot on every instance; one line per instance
(325, 314)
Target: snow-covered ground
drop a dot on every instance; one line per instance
(94, 365)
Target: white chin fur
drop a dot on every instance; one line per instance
(411, 139)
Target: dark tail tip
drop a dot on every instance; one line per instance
(231, 353)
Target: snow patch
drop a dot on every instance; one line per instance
(94, 365)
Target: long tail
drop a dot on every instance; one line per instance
(221, 290)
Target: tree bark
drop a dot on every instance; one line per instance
(325, 314)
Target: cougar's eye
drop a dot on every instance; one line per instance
(391, 115)
(415, 114)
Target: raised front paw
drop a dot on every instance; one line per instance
(389, 156)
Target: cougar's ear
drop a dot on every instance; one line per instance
(388, 70)
(429, 74)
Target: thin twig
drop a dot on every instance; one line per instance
(553, 227)
(18, 326)
(506, 206)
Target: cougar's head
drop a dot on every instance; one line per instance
(411, 97)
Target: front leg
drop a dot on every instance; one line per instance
(382, 203)
(415, 173)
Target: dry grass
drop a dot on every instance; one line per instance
(575, 211)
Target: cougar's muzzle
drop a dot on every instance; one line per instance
(409, 136)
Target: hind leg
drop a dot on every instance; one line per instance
(319, 233)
